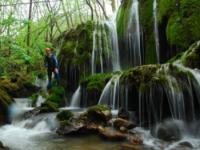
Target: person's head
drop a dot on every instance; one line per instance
(48, 51)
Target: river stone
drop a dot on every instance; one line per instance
(123, 113)
(119, 123)
(111, 135)
(170, 130)
(2, 147)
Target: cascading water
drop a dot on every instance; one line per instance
(105, 53)
(114, 44)
(133, 43)
(110, 94)
(156, 34)
(97, 51)
(76, 97)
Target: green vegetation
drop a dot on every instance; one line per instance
(96, 82)
(57, 95)
(64, 115)
(98, 114)
(140, 76)
(48, 106)
(182, 26)
(122, 17)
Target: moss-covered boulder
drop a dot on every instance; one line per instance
(64, 115)
(189, 58)
(141, 76)
(48, 106)
(75, 54)
(92, 87)
(178, 22)
(98, 114)
(19, 85)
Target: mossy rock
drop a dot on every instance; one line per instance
(183, 24)
(95, 82)
(98, 114)
(57, 95)
(140, 76)
(189, 58)
(64, 115)
(48, 106)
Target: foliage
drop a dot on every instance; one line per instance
(56, 96)
(64, 115)
(96, 82)
(182, 26)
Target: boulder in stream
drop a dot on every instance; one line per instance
(119, 123)
(111, 134)
(2, 147)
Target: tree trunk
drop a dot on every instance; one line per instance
(29, 24)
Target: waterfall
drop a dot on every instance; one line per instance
(111, 93)
(76, 97)
(105, 53)
(97, 51)
(114, 44)
(133, 43)
(177, 94)
(156, 34)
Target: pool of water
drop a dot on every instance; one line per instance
(18, 138)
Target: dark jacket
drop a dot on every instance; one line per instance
(51, 63)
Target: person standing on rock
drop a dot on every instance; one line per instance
(51, 63)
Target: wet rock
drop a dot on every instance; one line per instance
(67, 128)
(70, 129)
(122, 123)
(2, 147)
(186, 144)
(111, 135)
(170, 130)
(98, 114)
(135, 140)
(64, 115)
(46, 107)
(123, 113)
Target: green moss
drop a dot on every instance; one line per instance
(57, 95)
(98, 108)
(49, 106)
(189, 58)
(34, 99)
(65, 123)
(139, 76)
(122, 17)
(95, 82)
(98, 114)
(64, 115)
(77, 43)
(183, 25)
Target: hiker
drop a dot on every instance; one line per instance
(51, 63)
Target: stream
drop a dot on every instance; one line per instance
(38, 133)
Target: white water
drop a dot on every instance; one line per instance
(133, 35)
(40, 100)
(21, 134)
(110, 94)
(156, 33)
(97, 50)
(115, 46)
(76, 97)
